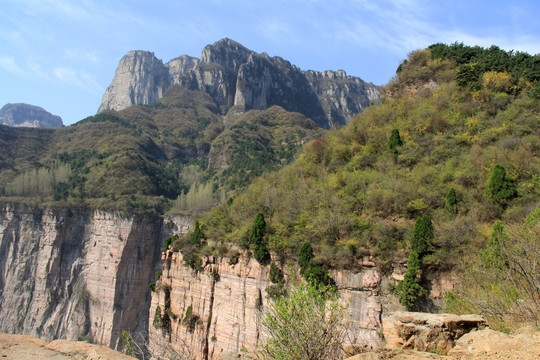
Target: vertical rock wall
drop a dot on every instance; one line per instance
(218, 311)
(77, 275)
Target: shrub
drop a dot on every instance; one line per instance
(307, 324)
(276, 275)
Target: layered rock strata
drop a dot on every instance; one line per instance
(218, 311)
(236, 77)
(75, 274)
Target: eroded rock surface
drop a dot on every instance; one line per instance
(218, 312)
(428, 332)
(236, 77)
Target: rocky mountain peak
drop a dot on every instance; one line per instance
(235, 76)
(25, 115)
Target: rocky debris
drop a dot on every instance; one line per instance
(488, 341)
(25, 115)
(483, 344)
(236, 77)
(23, 347)
(428, 332)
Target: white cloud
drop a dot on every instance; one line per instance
(81, 55)
(9, 64)
(80, 79)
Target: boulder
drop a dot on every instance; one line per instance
(428, 332)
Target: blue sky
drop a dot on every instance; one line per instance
(62, 54)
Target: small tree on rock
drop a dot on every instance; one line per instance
(256, 238)
(409, 290)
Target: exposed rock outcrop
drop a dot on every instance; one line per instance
(76, 275)
(428, 332)
(236, 77)
(219, 310)
(25, 115)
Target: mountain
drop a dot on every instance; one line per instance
(151, 157)
(238, 80)
(25, 115)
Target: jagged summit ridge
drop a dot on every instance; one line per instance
(239, 78)
(25, 115)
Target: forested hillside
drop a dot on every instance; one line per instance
(453, 149)
(179, 155)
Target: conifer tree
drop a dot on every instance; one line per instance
(422, 235)
(500, 188)
(409, 290)
(256, 238)
(258, 229)
(305, 256)
(451, 202)
(196, 235)
(395, 140)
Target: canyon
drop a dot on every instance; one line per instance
(84, 275)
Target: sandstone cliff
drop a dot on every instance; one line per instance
(25, 115)
(236, 77)
(77, 275)
(218, 311)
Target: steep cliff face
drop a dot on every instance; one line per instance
(77, 275)
(236, 77)
(219, 311)
(25, 115)
(140, 78)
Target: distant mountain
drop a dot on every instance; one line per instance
(239, 80)
(25, 115)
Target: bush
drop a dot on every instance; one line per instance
(307, 324)
(276, 275)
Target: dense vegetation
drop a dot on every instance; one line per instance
(179, 155)
(457, 155)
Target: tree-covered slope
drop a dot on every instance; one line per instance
(149, 158)
(360, 190)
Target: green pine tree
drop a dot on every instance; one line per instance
(258, 229)
(305, 256)
(451, 202)
(500, 188)
(196, 235)
(422, 235)
(395, 140)
(409, 290)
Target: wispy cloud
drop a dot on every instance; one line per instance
(81, 55)
(80, 79)
(9, 64)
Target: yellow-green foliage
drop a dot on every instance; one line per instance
(348, 189)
